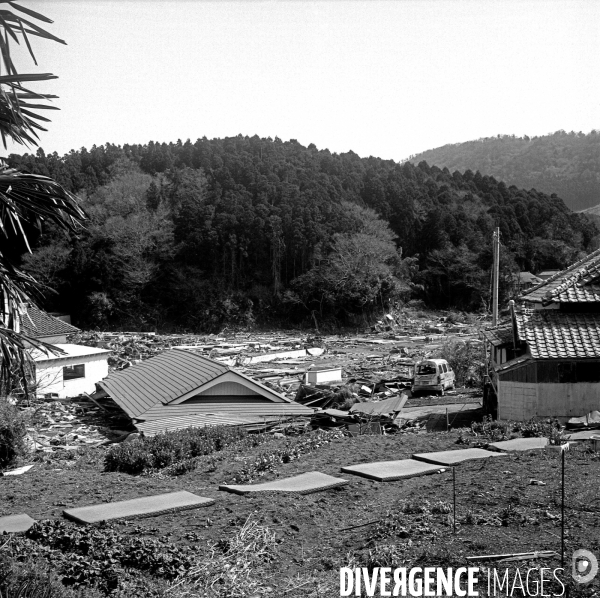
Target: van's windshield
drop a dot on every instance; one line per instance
(426, 368)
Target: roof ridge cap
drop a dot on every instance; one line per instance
(552, 278)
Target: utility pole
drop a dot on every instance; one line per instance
(496, 253)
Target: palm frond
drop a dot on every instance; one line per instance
(17, 121)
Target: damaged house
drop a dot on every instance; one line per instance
(71, 371)
(546, 362)
(180, 389)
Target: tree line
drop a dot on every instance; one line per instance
(560, 162)
(245, 230)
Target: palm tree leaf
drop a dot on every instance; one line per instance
(31, 13)
(10, 79)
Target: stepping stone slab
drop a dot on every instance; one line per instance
(305, 483)
(147, 506)
(456, 457)
(388, 471)
(520, 444)
(582, 435)
(12, 524)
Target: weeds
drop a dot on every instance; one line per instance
(293, 449)
(13, 430)
(100, 556)
(170, 448)
(234, 566)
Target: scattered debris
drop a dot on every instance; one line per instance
(18, 471)
(518, 556)
(590, 421)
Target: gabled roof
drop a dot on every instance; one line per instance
(37, 323)
(528, 277)
(169, 378)
(579, 283)
(498, 336)
(552, 334)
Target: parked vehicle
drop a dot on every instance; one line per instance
(433, 375)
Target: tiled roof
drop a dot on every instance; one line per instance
(551, 334)
(577, 283)
(165, 378)
(38, 324)
(498, 336)
(528, 277)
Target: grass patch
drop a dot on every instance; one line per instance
(291, 449)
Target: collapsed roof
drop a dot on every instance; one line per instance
(183, 384)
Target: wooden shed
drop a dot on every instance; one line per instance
(546, 362)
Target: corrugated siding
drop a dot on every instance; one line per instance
(249, 407)
(157, 426)
(230, 389)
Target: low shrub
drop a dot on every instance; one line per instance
(170, 448)
(34, 579)
(292, 449)
(101, 557)
(13, 430)
(466, 360)
(493, 431)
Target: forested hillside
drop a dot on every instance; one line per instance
(242, 230)
(567, 164)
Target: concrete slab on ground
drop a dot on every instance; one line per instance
(582, 435)
(449, 458)
(147, 506)
(520, 444)
(305, 483)
(423, 411)
(388, 471)
(12, 524)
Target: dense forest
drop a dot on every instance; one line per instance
(244, 230)
(567, 164)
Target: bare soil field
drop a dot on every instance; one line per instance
(364, 523)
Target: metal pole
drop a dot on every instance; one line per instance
(496, 276)
(562, 531)
(447, 421)
(454, 497)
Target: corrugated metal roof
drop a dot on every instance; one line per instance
(249, 406)
(391, 405)
(170, 424)
(552, 334)
(580, 277)
(161, 380)
(37, 324)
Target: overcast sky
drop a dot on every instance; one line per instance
(383, 78)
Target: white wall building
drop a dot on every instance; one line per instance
(68, 373)
(71, 373)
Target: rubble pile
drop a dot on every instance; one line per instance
(370, 367)
(68, 424)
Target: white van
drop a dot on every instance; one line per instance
(433, 375)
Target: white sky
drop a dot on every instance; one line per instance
(383, 78)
